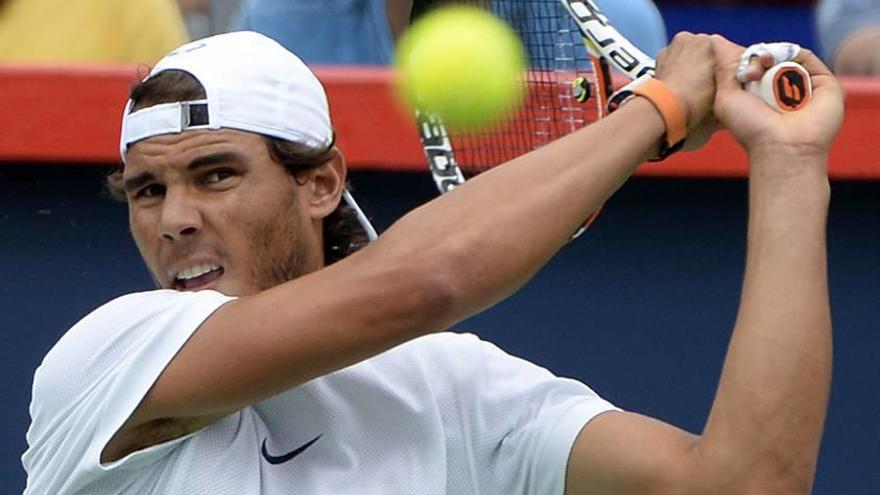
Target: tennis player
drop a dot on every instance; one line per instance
(279, 358)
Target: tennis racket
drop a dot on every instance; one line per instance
(571, 47)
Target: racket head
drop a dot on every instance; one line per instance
(566, 89)
(570, 48)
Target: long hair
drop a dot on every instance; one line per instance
(343, 234)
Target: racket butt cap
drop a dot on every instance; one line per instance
(785, 87)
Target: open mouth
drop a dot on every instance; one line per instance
(197, 277)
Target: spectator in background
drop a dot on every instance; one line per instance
(363, 32)
(849, 33)
(208, 17)
(326, 31)
(135, 31)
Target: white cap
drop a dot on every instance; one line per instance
(251, 83)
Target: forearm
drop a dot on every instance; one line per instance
(462, 251)
(447, 259)
(769, 412)
(495, 231)
(438, 265)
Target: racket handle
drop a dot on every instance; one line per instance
(785, 87)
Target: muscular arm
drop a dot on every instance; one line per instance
(765, 426)
(406, 283)
(428, 271)
(774, 389)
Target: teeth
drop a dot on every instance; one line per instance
(196, 271)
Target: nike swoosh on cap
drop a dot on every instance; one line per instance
(281, 459)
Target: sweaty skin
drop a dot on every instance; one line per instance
(206, 197)
(764, 429)
(765, 426)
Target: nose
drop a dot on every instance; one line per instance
(181, 216)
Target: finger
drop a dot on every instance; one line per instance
(727, 56)
(758, 65)
(812, 63)
(822, 79)
(768, 54)
(782, 51)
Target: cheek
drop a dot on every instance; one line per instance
(275, 229)
(276, 246)
(141, 227)
(252, 228)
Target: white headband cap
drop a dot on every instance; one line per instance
(252, 84)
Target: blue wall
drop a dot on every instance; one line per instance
(640, 308)
(744, 24)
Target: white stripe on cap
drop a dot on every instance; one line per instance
(167, 118)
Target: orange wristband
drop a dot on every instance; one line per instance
(670, 109)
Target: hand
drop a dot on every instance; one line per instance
(757, 127)
(687, 67)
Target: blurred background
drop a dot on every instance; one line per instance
(640, 307)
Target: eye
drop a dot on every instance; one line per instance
(150, 191)
(219, 175)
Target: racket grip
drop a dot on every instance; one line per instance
(785, 87)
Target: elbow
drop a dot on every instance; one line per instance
(768, 472)
(417, 297)
(438, 301)
(775, 478)
(785, 477)
(461, 281)
(448, 287)
(438, 281)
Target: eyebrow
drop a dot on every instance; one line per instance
(213, 159)
(143, 178)
(136, 182)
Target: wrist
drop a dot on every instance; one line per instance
(673, 111)
(648, 114)
(775, 150)
(666, 104)
(781, 166)
(682, 98)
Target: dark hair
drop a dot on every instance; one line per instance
(343, 233)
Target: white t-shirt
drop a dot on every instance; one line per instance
(442, 414)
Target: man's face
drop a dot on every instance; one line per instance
(212, 210)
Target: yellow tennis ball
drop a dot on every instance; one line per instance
(463, 64)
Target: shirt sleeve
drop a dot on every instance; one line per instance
(519, 421)
(90, 383)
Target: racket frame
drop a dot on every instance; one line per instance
(606, 46)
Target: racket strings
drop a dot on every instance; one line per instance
(557, 58)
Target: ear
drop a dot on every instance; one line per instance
(325, 186)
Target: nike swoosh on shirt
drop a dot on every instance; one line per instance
(281, 459)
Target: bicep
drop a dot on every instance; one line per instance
(627, 453)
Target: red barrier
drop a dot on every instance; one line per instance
(72, 115)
